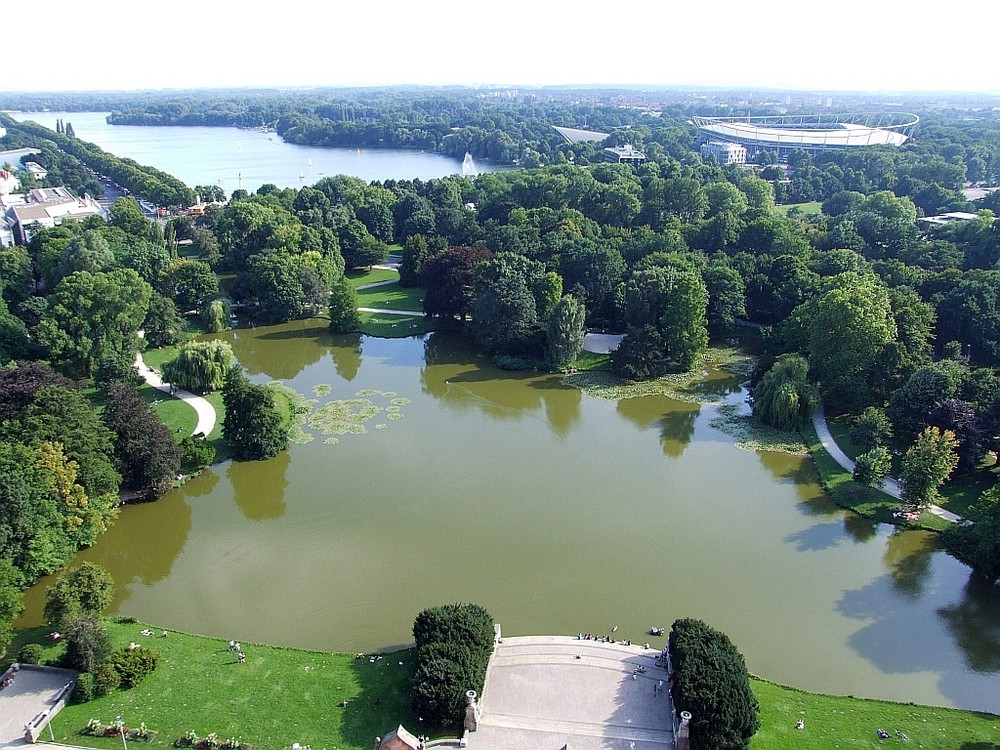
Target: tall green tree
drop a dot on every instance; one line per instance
(85, 590)
(344, 315)
(146, 454)
(92, 314)
(253, 426)
(565, 332)
(926, 466)
(850, 326)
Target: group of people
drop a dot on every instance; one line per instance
(237, 649)
(7, 681)
(602, 639)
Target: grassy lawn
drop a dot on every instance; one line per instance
(392, 297)
(394, 326)
(810, 207)
(359, 277)
(847, 493)
(843, 722)
(589, 361)
(277, 697)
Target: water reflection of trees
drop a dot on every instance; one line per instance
(259, 486)
(462, 379)
(346, 351)
(974, 622)
(675, 420)
(282, 351)
(908, 554)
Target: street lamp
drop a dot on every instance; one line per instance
(121, 730)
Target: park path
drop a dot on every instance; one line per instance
(891, 486)
(204, 410)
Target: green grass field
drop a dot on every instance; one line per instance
(836, 722)
(277, 697)
(359, 278)
(810, 207)
(392, 297)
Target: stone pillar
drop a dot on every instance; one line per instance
(471, 712)
(684, 732)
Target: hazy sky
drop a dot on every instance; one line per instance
(800, 44)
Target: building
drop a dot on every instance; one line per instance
(626, 154)
(926, 222)
(8, 182)
(43, 208)
(725, 153)
(577, 135)
(783, 134)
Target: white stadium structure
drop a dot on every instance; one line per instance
(812, 133)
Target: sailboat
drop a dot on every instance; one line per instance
(310, 162)
(302, 175)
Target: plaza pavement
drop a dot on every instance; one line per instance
(33, 692)
(539, 695)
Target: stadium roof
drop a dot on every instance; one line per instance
(575, 135)
(811, 132)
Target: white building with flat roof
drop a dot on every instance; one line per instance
(725, 153)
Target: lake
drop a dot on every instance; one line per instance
(558, 511)
(233, 158)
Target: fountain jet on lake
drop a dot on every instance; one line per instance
(469, 168)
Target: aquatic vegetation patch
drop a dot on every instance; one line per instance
(751, 435)
(676, 385)
(339, 417)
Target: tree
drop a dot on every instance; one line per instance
(163, 325)
(711, 682)
(344, 315)
(270, 284)
(872, 466)
(196, 453)
(511, 291)
(871, 429)
(252, 425)
(726, 295)
(200, 365)
(126, 214)
(87, 642)
(86, 590)
(673, 301)
(416, 251)
(976, 542)
(146, 454)
(849, 327)
(11, 604)
(92, 314)
(565, 332)
(926, 466)
(784, 397)
(191, 284)
(448, 280)
(961, 419)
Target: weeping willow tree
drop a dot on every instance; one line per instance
(784, 397)
(200, 366)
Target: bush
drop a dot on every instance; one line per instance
(196, 453)
(30, 653)
(106, 680)
(84, 690)
(134, 665)
(454, 646)
(711, 681)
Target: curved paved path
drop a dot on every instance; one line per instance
(891, 486)
(205, 411)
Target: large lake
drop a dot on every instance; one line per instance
(558, 511)
(234, 158)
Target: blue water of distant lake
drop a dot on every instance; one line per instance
(234, 158)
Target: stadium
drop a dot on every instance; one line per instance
(811, 133)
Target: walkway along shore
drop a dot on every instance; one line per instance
(205, 411)
(891, 486)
